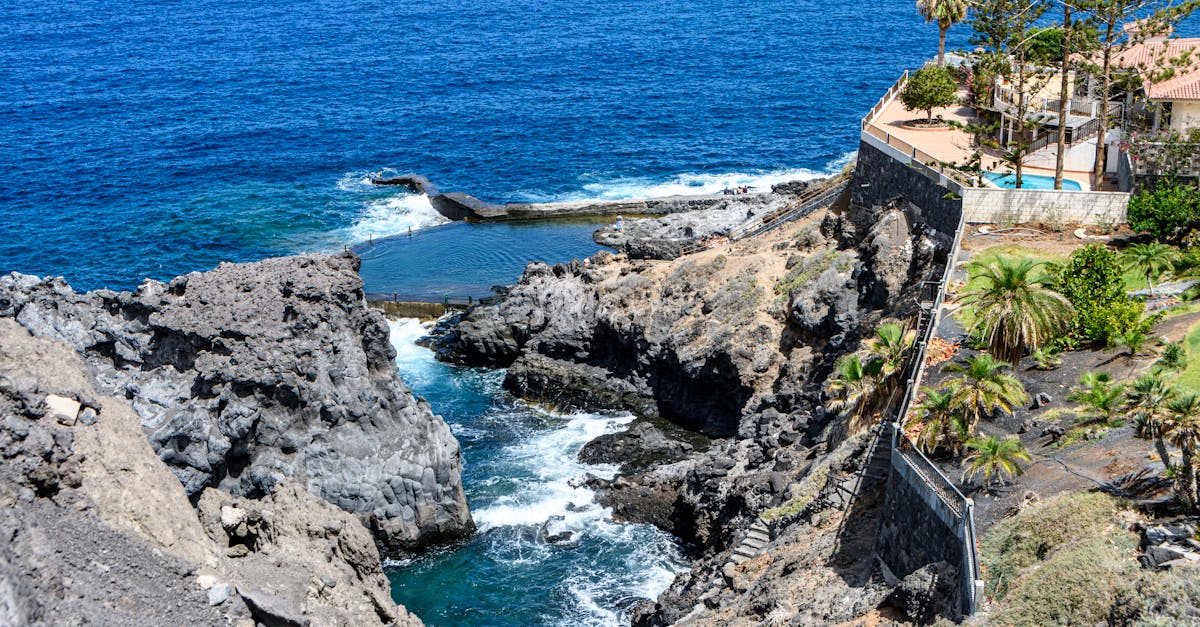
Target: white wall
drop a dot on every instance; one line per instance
(1185, 114)
(982, 205)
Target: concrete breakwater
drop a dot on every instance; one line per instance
(462, 206)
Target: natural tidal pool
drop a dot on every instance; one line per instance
(524, 485)
(461, 259)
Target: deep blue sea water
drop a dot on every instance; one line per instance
(147, 139)
(154, 138)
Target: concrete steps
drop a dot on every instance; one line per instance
(756, 541)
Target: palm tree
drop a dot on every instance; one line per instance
(1098, 396)
(983, 388)
(1153, 259)
(946, 13)
(1172, 357)
(889, 346)
(1182, 427)
(1134, 340)
(852, 383)
(940, 422)
(1146, 400)
(1014, 307)
(995, 457)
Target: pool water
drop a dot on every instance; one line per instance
(1030, 181)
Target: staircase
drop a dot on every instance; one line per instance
(755, 542)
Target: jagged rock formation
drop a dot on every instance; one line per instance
(736, 343)
(94, 528)
(253, 374)
(664, 237)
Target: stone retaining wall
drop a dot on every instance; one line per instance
(993, 205)
(882, 176)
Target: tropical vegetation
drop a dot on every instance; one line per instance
(1014, 308)
(945, 13)
(1151, 259)
(928, 88)
(982, 388)
(995, 458)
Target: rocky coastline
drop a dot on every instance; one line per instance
(736, 344)
(234, 445)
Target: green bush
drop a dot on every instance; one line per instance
(1046, 45)
(1082, 584)
(1169, 211)
(1025, 540)
(929, 87)
(1092, 281)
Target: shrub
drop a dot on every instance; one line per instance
(1077, 585)
(1168, 598)
(929, 87)
(1092, 281)
(1169, 211)
(1022, 542)
(1046, 45)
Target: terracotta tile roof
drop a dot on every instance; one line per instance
(1180, 83)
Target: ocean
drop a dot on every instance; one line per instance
(149, 139)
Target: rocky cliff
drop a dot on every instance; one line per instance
(251, 375)
(737, 343)
(95, 529)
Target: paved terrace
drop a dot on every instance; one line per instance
(954, 146)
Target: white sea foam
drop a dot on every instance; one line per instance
(355, 182)
(694, 183)
(394, 215)
(417, 363)
(543, 481)
(551, 457)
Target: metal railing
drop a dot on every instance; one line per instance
(934, 293)
(424, 297)
(1005, 100)
(823, 197)
(887, 98)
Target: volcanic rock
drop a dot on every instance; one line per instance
(254, 373)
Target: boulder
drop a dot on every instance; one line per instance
(925, 593)
(118, 511)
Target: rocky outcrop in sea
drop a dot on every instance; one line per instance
(252, 376)
(736, 343)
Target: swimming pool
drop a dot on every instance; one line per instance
(1030, 181)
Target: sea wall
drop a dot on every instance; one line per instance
(922, 525)
(413, 309)
(460, 206)
(925, 520)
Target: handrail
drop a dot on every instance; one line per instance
(931, 475)
(810, 201)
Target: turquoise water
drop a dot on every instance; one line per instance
(522, 476)
(1030, 181)
(461, 259)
